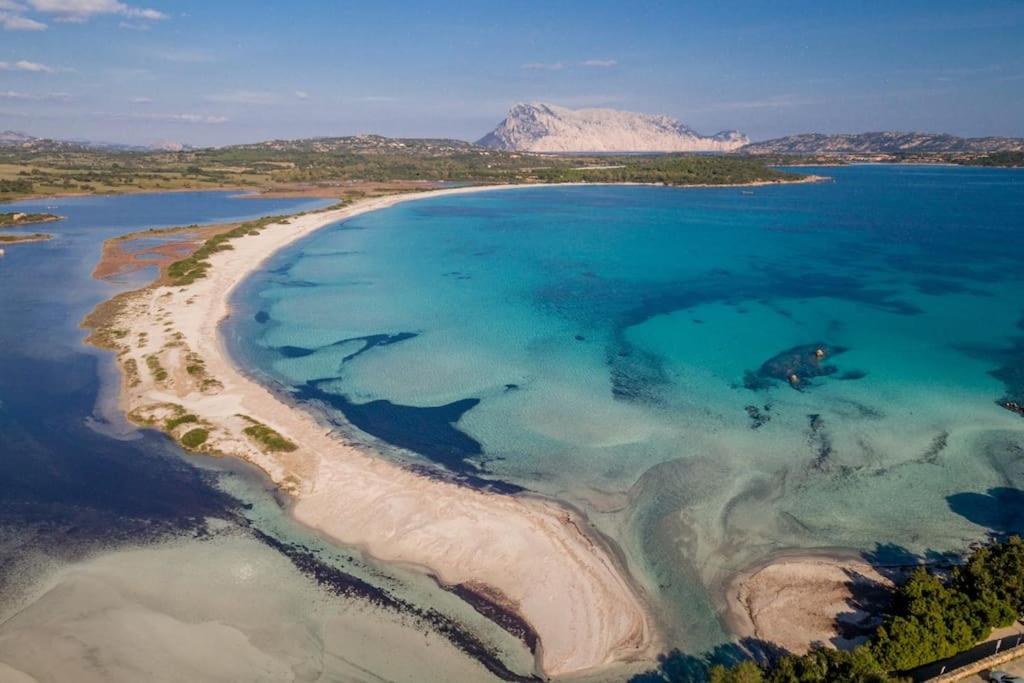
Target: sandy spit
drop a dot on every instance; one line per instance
(538, 556)
(798, 599)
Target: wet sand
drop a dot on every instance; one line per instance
(536, 557)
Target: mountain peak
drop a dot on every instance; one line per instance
(543, 127)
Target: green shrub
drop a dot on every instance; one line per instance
(180, 420)
(194, 438)
(268, 438)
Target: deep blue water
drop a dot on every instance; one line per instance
(650, 354)
(69, 478)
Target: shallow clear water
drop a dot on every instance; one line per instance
(607, 345)
(119, 553)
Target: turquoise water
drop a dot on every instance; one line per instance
(628, 350)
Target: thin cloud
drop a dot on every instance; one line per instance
(141, 100)
(544, 66)
(255, 97)
(34, 97)
(78, 11)
(179, 118)
(599, 63)
(23, 65)
(301, 95)
(16, 22)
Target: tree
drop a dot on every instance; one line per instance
(994, 574)
(930, 621)
(744, 672)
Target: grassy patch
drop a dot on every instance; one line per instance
(194, 438)
(155, 369)
(194, 267)
(267, 437)
(174, 422)
(131, 372)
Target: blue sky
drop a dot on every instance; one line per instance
(219, 72)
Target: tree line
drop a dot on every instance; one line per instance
(932, 617)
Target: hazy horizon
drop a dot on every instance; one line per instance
(149, 72)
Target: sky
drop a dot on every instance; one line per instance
(226, 71)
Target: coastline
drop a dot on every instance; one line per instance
(335, 192)
(531, 555)
(797, 598)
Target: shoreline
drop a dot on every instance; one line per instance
(591, 617)
(531, 554)
(246, 192)
(799, 597)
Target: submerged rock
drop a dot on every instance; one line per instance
(797, 366)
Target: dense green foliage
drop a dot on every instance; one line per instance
(1000, 159)
(820, 665)
(14, 187)
(268, 438)
(187, 418)
(194, 438)
(930, 619)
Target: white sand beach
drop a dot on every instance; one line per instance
(535, 556)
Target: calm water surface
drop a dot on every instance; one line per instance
(117, 551)
(649, 354)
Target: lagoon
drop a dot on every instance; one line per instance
(629, 350)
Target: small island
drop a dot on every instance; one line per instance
(22, 239)
(16, 219)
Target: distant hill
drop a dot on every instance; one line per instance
(890, 142)
(361, 144)
(549, 128)
(13, 138)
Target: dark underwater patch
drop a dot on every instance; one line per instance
(430, 432)
(369, 342)
(1009, 370)
(636, 375)
(796, 367)
(338, 582)
(261, 317)
(759, 417)
(819, 440)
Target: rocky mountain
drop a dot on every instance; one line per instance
(549, 128)
(889, 142)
